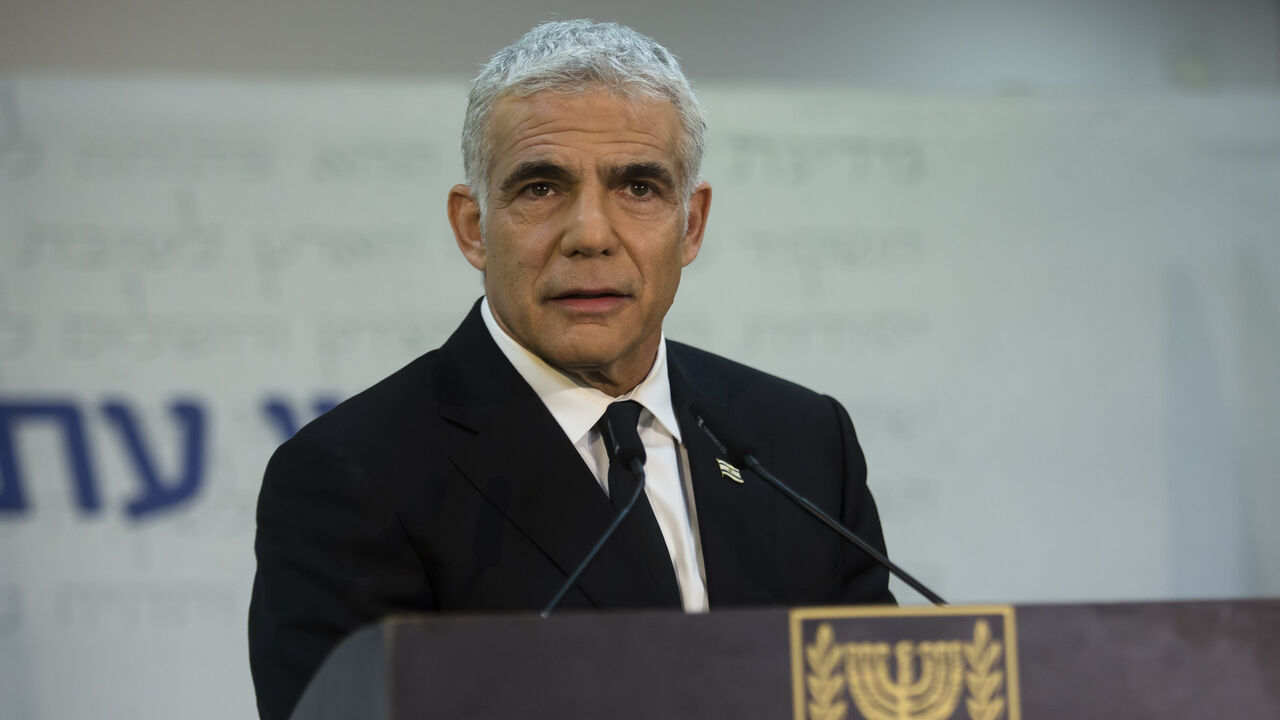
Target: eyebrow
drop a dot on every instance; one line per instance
(640, 170)
(534, 170)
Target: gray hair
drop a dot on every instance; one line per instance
(571, 56)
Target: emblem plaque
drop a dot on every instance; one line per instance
(885, 663)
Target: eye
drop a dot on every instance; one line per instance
(539, 189)
(639, 189)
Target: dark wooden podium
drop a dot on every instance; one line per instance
(1039, 662)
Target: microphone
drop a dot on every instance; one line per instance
(739, 450)
(630, 452)
(626, 446)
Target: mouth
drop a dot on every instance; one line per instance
(590, 300)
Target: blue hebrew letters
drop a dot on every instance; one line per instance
(157, 489)
(285, 421)
(157, 493)
(12, 495)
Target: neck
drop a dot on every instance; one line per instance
(614, 380)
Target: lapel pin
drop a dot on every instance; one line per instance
(729, 471)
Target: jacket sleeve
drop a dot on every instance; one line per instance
(332, 556)
(865, 580)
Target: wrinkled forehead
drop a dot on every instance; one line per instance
(596, 118)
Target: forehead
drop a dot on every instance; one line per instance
(582, 127)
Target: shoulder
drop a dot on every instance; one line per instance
(381, 419)
(767, 409)
(734, 383)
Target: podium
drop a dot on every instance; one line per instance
(1040, 662)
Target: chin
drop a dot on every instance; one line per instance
(580, 360)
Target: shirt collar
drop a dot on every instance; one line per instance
(578, 407)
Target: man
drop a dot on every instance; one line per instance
(476, 478)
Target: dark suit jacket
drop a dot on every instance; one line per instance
(449, 487)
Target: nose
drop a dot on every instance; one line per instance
(589, 230)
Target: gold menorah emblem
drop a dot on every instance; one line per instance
(904, 680)
(933, 696)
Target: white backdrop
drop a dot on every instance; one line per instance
(1053, 320)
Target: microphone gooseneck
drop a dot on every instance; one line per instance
(740, 451)
(735, 447)
(631, 454)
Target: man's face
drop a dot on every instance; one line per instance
(585, 233)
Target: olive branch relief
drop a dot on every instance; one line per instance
(983, 679)
(824, 681)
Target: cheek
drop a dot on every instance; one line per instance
(664, 275)
(515, 265)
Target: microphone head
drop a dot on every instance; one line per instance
(621, 446)
(722, 433)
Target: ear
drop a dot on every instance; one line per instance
(464, 216)
(696, 224)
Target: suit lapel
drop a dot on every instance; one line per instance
(736, 521)
(522, 463)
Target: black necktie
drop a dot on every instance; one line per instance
(641, 526)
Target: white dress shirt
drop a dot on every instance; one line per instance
(577, 408)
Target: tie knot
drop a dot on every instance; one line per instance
(618, 426)
(626, 412)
